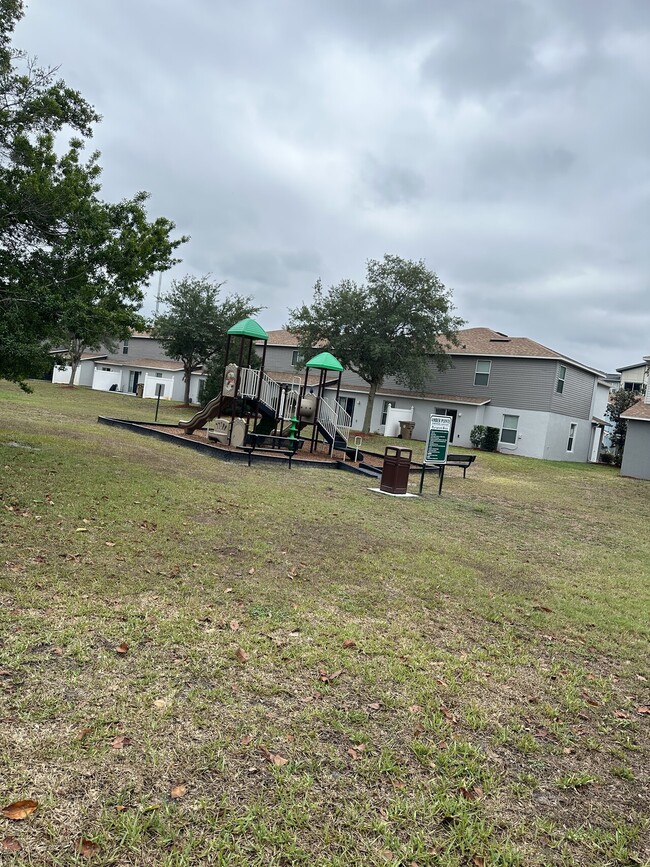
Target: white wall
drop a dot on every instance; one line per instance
(151, 383)
(83, 374)
(104, 379)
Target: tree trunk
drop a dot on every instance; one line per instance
(75, 353)
(370, 406)
(188, 379)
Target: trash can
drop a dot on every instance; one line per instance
(139, 389)
(395, 474)
(406, 429)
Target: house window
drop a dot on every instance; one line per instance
(105, 368)
(482, 373)
(159, 375)
(125, 347)
(509, 429)
(295, 357)
(572, 435)
(384, 410)
(561, 376)
(632, 386)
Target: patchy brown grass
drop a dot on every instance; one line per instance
(450, 680)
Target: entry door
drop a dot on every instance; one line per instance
(452, 413)
(134, 376)
(349, 406)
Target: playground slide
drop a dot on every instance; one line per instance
(203, 416)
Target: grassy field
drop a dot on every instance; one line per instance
(202, 663)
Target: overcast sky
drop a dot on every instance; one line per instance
(505, 142)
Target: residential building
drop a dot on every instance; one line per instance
(636, 453)
(545, 404)
(138, 361)
(634, 377)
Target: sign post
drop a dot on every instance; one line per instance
(437, 447)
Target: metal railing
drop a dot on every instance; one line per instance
(249, 384)
(334, 420)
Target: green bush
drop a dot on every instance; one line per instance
(476, 435)
(490, 439)
(485, 438)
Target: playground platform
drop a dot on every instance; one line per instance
(198, 440)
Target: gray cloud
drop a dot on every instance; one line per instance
(506, 143)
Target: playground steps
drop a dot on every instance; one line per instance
(369, 470)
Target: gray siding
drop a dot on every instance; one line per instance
(140, 347)
(576, 398)
(636, 456)
(518, 383)
(278, 358)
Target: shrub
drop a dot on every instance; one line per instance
(476, 435)
(490, 439)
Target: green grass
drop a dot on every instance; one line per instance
(486, 709)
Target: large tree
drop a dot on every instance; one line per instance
(197, 320)
(107, 256)
(58, 240)
(619, 401)
(394, 324)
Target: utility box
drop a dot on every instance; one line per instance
(406, 429)
(397, 466)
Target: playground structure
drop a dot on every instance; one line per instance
(253, 408)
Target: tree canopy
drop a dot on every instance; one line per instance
(619, 401)
(394, 324)
(69, 262)
(195, 326)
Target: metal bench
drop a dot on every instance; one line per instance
(464, 461)
(287, 446)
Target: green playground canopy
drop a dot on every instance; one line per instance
(248, 328)
(325, 361)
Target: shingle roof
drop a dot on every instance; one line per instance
(486, 341)
(282, 337)
(639, 412)
(472, 341)
(420, 395)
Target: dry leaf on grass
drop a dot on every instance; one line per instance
(10, 844)
(86, 848)
(349, 643)
(245, 741)
(19, 810)
(374, 705)
(122, 648)
(178, 791)
(57, 651)
(448, 715)
(274, 758)
(328, 678)
(643, 710)
(121, 741)
(234, 625)
(241, 654)
(472, 794)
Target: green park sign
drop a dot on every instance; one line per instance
(438, 440)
